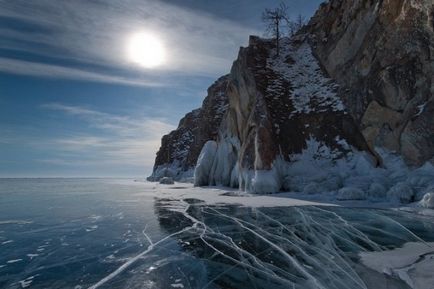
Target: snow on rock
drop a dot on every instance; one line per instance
(380, 54)
(279, 106)
(427, 201)
(401, 192)
(173, 170)
(311, 90)
(167, 181)
(349, 193)
(180, 148)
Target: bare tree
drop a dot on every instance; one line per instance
(296, 25)
(273, 19)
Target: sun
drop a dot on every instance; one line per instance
(146, 49)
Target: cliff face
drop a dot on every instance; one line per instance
(382, 55)
(277, 104)
(359, 76)
(180, 149)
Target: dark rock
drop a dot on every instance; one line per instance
(180, 149)
(381, 54)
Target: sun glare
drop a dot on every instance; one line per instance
(146, 49)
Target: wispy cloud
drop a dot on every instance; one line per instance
(14, 66)
(120, 140)
(97, 32)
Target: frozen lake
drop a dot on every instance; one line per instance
(117, 233)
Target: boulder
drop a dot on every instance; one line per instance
(167, 181)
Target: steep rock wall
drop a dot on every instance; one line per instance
(381, 52)
(277, 103)
(180, 149)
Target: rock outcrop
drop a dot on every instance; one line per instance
(180, 149)
(382, 55)
(277, 104)
(358, 76)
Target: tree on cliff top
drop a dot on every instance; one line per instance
(295, 25)
(273, 19)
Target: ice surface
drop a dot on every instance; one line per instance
(413, 263)
(155, 236)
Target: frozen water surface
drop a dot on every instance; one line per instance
(106, 233)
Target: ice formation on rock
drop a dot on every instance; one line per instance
(167, 181)
(428, 201)
(307, 119)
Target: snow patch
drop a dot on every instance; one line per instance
(311, 90)
(413, 263)
(173, 170)
(428, 201)
(167, 181)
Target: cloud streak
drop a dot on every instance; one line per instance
(21, 67)
(119, 140)
(97, 32)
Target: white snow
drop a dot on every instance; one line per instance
(316, 168)
(427, 201)
(265, 181)
(27, 282)
(14, 261)
(319, 171)
(222, 195)
(167, 181)
(421, 108)
(413, 263)
(31, 256)
(173, 170)
(312, 91)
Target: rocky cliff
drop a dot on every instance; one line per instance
(180, 149)
(358, 76)
(277, 104)
(381, 54)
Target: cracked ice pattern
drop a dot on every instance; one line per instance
(83, 233)
(310, 247)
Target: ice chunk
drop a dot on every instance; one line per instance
(205, 163)
(401, 192)
(312, 188)
(412, 263)
(428, 201)
(350, 193)
(222, 172)
(167, 181)
(266, 182)
(377, 191)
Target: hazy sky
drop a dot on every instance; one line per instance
(73, 104)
